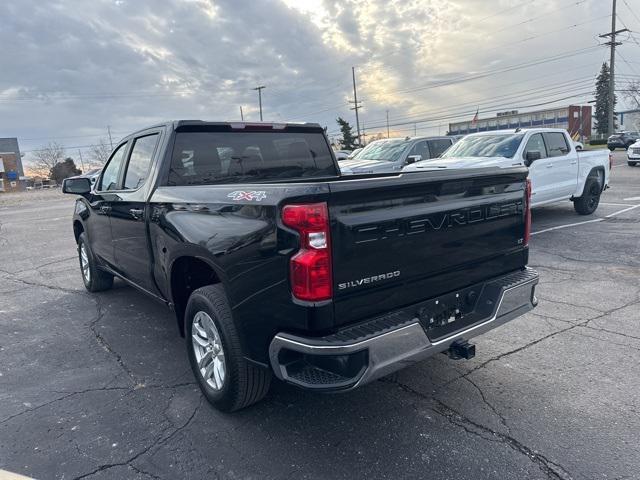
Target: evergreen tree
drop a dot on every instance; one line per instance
(64, 169)
(602, 100)
(348, 140)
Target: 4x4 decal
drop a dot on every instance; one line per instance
(252, 195)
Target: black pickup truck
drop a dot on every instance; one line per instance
(274, 263)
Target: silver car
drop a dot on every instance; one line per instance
(391, 155)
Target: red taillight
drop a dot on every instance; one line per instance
(310, 268)
(527, 213)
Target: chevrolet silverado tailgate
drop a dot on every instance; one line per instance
(397, 240)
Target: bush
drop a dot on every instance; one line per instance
(598, 141)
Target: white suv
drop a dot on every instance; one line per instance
(633, 154)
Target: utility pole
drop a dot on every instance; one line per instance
(356, 104)
(81, 162)
(241, 114)
(110, 139)
(612, 64)
(387, 123)
(259, 89)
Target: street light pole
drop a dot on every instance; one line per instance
(259, 89)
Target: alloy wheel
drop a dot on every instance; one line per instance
(207, 347)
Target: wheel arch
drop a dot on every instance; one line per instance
(187, 273)
(596, 172)
(78, 229)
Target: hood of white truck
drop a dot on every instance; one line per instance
(461, 162)
(358, 165)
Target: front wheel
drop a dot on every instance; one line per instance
(226, 378)
(94, 279)
(631, 164)
(590, 199)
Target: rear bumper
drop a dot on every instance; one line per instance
(367, 351)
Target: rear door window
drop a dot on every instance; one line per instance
(140, 161)
(556, 144)
(204, 158)
(535, 143)
(438, 146)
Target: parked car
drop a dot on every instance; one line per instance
(275, 264)
(342, 154)
(622, 140)
(354, 154)
(557, 170)
(633, 154)
(92, 175)
(391, 155)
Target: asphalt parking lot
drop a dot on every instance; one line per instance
(99, 386)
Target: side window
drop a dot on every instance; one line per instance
(109, 180)
(438, 147)
(556, 144)
(535, 143)
(420, 148)
(140, 161)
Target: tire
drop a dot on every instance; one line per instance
(94, 279)
(210, 330)
(612, 148)
(631, 164)
(588, 202)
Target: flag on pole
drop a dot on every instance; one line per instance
(475, 118)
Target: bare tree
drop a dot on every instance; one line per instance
(632, 92)
(100, 152)
(46, 158)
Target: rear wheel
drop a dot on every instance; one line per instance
(612, 148)
(94, 279)
(226, 378)
(588, 202)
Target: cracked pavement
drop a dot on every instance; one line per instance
(98, 386)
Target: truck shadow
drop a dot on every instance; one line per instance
(291, 432)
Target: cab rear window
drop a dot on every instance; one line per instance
(207, 158)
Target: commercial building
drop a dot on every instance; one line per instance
(12, 177)
(576, 119)
(629, 120)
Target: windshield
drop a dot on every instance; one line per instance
(385, 150)
(504, 145)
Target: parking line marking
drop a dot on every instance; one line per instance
(618, 204)
(595, 220)
(632, 199)
(621, 211)
(558, 227)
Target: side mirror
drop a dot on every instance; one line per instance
(76, 186)
(413, 159)
(531, 156)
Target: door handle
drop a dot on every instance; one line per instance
(574, 162)
(550, 165)
(105, 209)
(136, 213)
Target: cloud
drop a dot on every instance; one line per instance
(72, 67)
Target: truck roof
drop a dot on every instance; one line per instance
(175, 124)
(511, 131)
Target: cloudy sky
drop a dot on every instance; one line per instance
(70, 68)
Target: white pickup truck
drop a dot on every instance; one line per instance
(557, 171)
